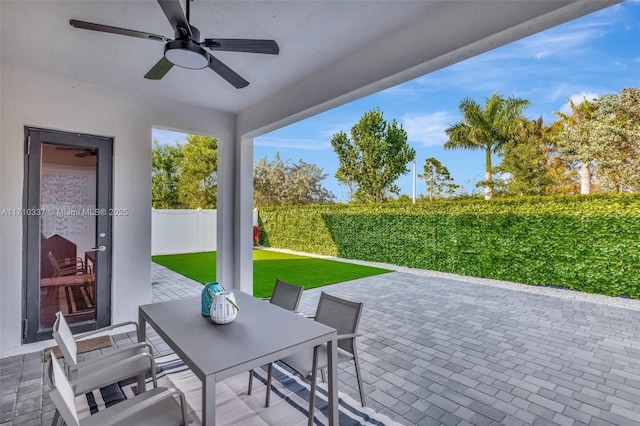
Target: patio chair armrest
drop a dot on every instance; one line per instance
(103, 329)
(115, 356)
(99, 372)
(147, 403)
(117, 361)
(141, 344)
(134, 346)
(348, 336)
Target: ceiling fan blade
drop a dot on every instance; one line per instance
(175, 15)
(227, 73)
(159, 69)
(269, 47)
(115, 30)
(70, 148)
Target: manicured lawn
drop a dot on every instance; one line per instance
(268, 265)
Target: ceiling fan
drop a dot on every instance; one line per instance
(186, 50)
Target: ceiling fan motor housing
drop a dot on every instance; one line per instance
(186, 54)
(185, 51)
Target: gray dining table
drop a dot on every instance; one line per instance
(261, 333)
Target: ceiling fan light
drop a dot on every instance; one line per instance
(186, 54)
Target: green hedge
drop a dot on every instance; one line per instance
(586, 243)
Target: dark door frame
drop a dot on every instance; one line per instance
(34, 138)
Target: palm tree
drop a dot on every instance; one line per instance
(486, 129)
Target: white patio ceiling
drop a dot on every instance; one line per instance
(330, 51)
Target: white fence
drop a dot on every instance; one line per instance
(185, 231)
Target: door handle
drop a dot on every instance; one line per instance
(101, 248)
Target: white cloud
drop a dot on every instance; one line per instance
(555, 92)
(292, 143)
(345, 126)
(427, 129)
(165, 137)
(565, 40)
(576, 99)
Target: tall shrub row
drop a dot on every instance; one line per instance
(591, 244)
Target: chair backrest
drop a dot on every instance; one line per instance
(341, 314)
(286, 295)
(60, 391)
(64, 338)
(54, 265)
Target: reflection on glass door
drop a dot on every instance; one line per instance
(68, 232)
(67, 229)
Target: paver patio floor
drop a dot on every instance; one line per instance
(439, 349)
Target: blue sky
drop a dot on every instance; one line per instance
(590, 56)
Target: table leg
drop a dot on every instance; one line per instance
(312, 397)
(209, 401)
(332, 349)
(142, 335)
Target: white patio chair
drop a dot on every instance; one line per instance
(107, 369)
(157, 407)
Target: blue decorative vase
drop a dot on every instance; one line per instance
(209, 290)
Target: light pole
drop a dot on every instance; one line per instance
(414, 181)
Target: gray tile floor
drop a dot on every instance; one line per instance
(445, 350)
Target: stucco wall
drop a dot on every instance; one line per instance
(43, 100)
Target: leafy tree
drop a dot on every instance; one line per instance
(278, 183)
(579, 141)
(603, 137)
(486, 128)
(438, 179)
(375, 156)
(197, 183)
(165, 171)
(533, 164)
(616, 122)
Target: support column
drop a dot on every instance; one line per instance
(225, 211)
(235, 214)
(243, 225)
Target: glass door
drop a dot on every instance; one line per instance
(67, 225)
